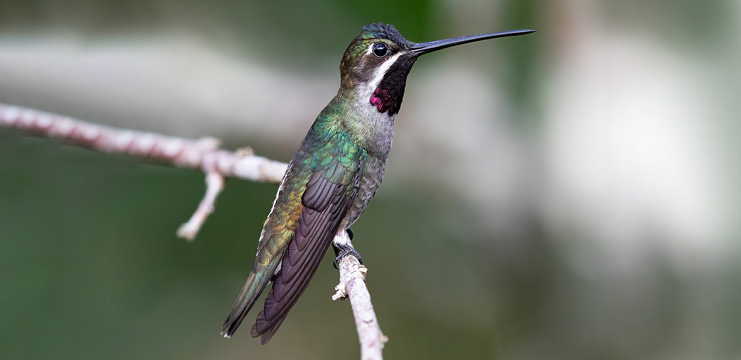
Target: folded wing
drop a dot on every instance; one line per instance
(327, 198)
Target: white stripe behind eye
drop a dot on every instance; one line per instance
(381, 71)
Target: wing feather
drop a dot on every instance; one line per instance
(325, 205)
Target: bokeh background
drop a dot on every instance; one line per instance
(564, 195)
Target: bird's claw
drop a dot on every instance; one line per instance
(343, 250)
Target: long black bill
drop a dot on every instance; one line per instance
(426, 47)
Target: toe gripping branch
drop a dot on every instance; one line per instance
(341, 251)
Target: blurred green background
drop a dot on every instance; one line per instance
(565, 195)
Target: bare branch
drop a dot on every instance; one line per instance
(218, 164)
(352, 285)
(201, 154)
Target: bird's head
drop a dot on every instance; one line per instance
(378, 60)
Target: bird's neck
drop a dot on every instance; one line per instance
(369, 124)
(382, 97)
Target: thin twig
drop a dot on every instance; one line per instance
(214, 185)
(352, 285)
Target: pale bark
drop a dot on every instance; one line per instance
(352, 285)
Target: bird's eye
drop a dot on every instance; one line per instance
(380, 50)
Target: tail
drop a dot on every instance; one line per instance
(259, 277)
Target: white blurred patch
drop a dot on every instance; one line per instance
(453, 132)
(629, 151)
(169, 84)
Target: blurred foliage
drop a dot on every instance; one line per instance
(286, 28)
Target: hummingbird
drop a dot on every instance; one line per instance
(334, 174)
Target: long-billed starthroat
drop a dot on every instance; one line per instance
(335, 172)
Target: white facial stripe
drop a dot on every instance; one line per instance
(381, 71)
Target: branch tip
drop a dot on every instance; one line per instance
(214, 186)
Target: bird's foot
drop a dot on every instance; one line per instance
(343, 250)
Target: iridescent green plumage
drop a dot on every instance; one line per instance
(331, 156)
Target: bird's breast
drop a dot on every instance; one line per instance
(370, 180)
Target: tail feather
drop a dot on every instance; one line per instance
(256, 282)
